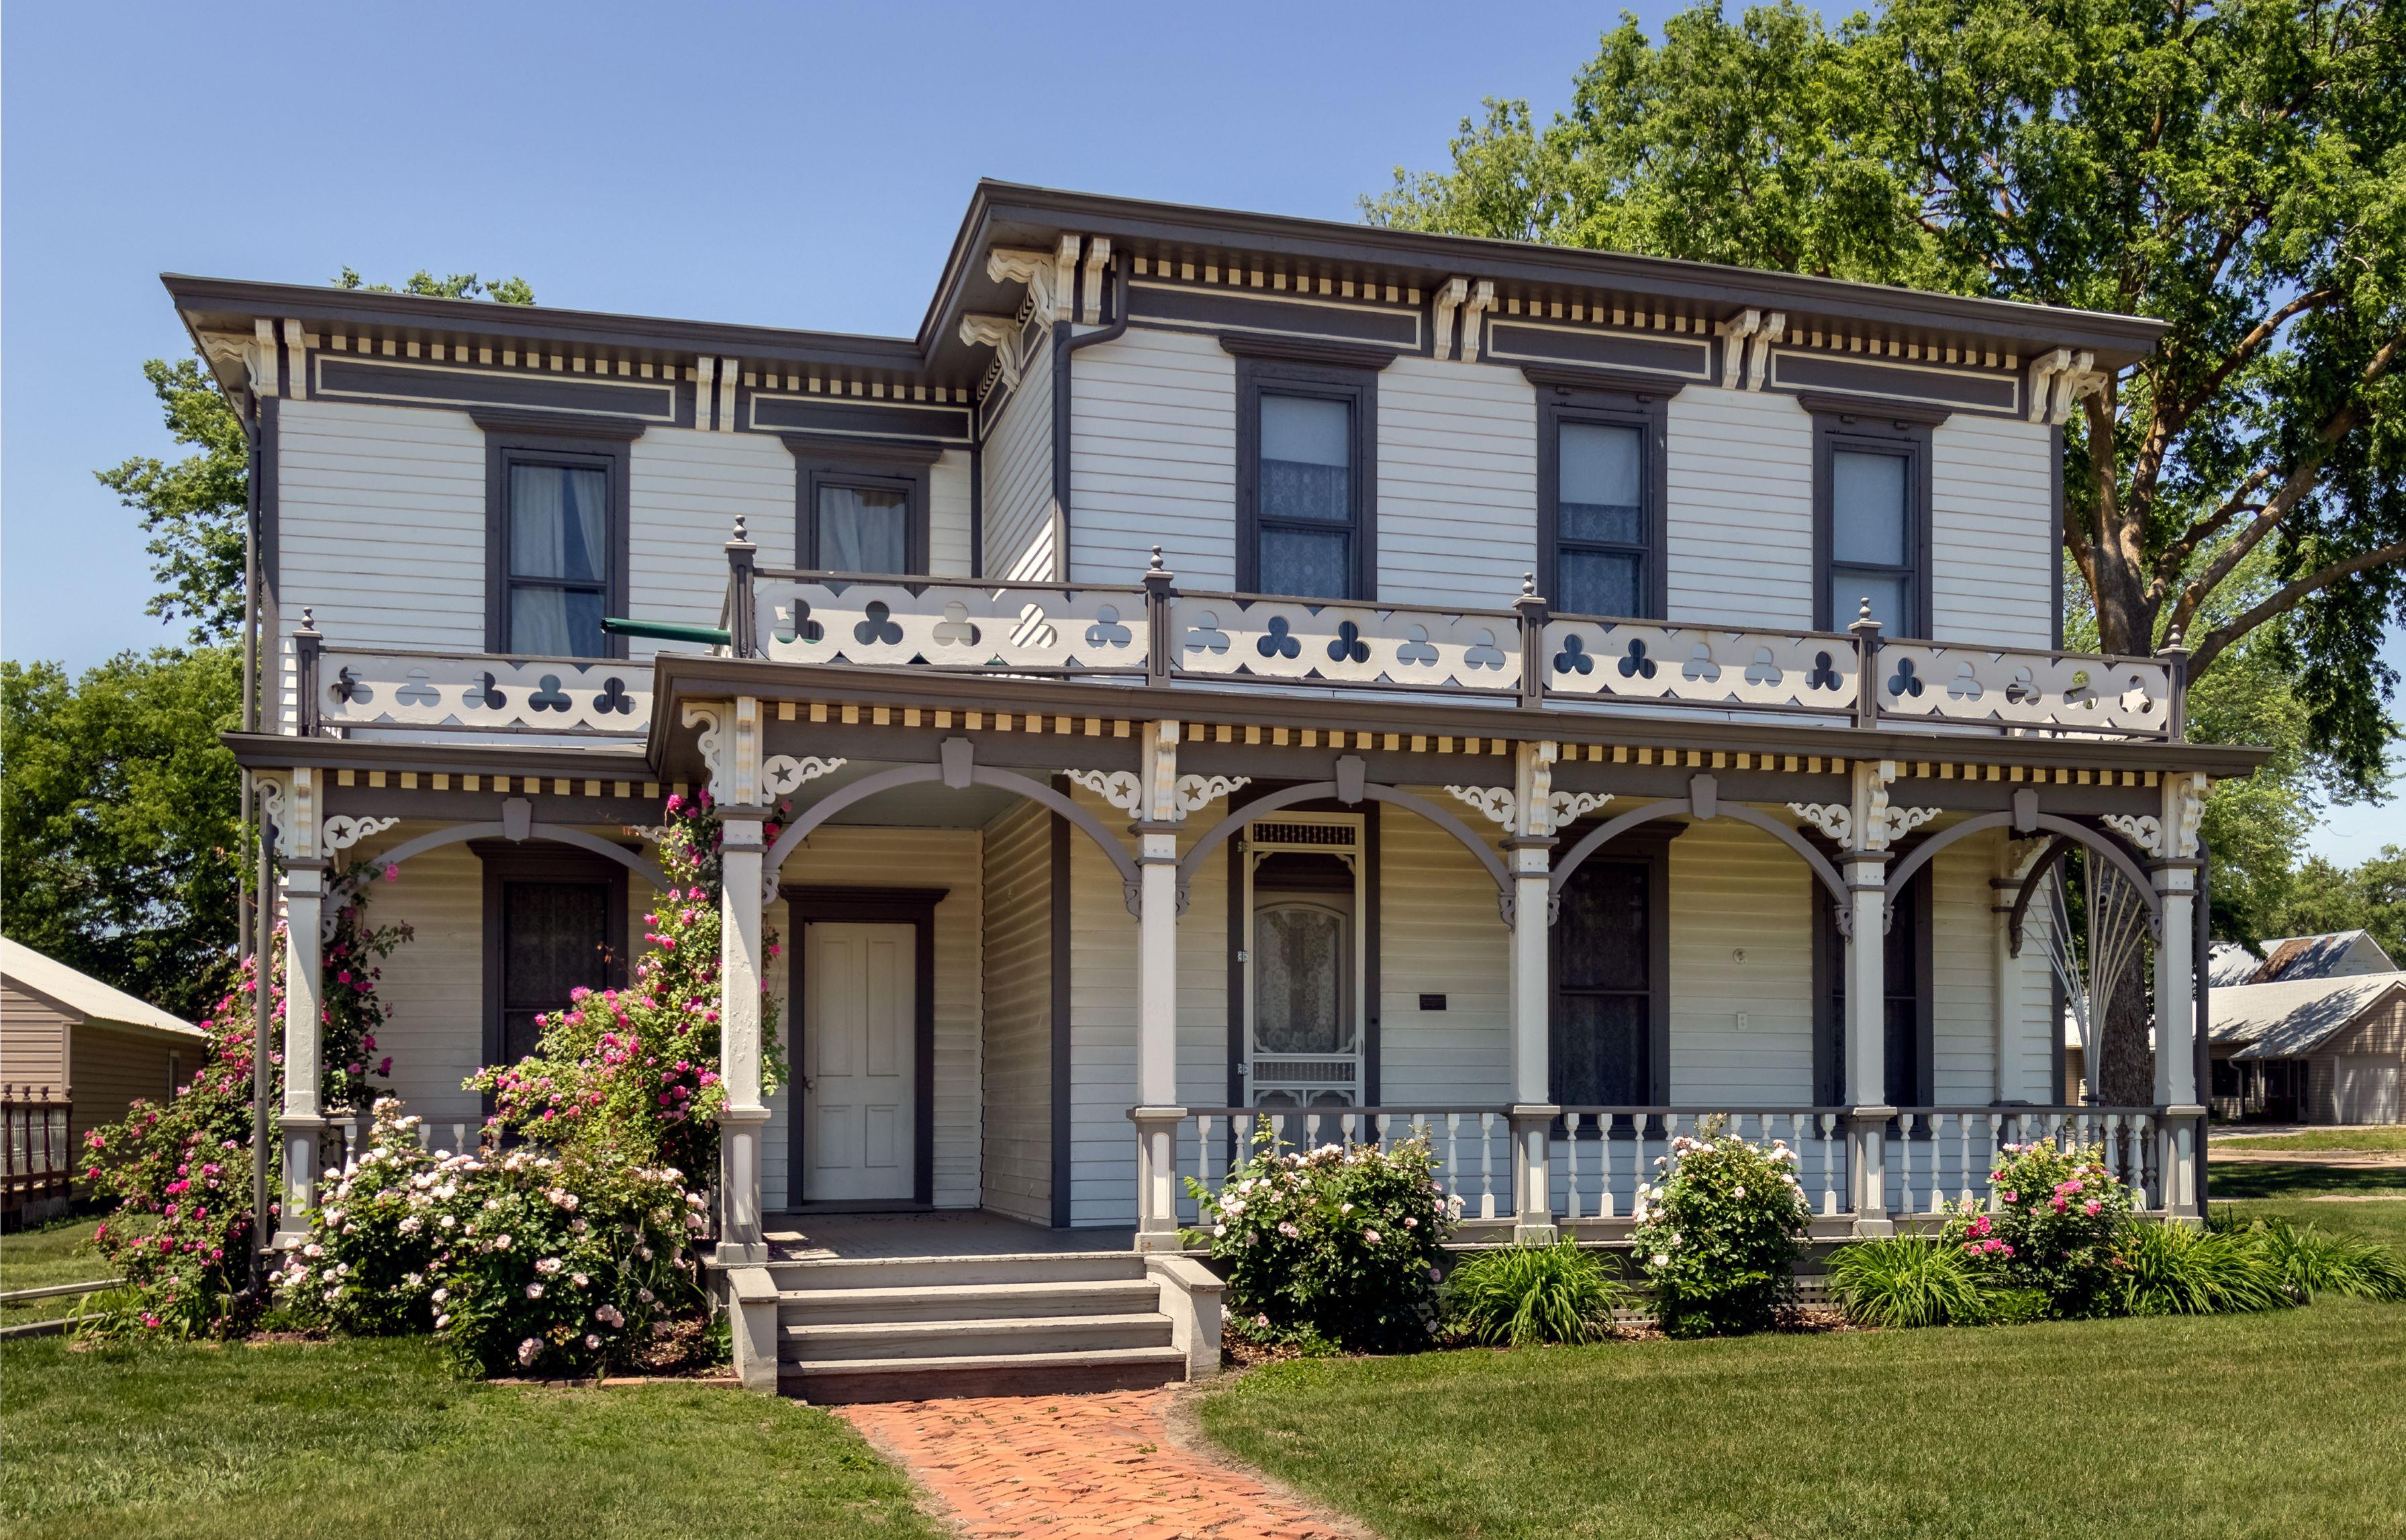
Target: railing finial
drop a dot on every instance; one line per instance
(1528, 585)
(308, 620)
(1863, 620)
(1155, 565)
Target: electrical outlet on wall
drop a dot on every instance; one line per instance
(1743, 1023)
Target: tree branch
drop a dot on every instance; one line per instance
(2285, 597)
(2176, 555)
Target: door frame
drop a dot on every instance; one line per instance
(917, 908)
(503, 862)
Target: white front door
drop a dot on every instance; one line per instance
(859, 1104)
(2367, 1088)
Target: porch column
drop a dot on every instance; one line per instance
(743, 1119)
(1866, 869)
(1157, 1112)
(303, 1121)
(2180, 1113)
(1532, 1113)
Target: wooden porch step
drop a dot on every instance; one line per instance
(983, 1374)
(955, 1271)
(1006, 1335)
(967, 1302)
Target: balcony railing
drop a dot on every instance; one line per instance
(1159, 634)
(342, 687)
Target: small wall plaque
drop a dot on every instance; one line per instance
(1432, 1002)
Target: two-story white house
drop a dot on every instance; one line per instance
(1224, 662)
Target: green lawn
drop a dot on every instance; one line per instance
(2272, 1189)
(2369, 1140)
(367, 1439)
(60, 1251)
(2274, 1425)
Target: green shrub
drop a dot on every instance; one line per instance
(1913, 1280)
(2058, 1212)
(1718, 1236)
(2177, 1269)
(1522, 1295)
(2312, 1261)
(1341, 1243)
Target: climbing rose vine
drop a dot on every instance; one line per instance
(635, 1071)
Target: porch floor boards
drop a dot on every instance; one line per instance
(944, 1233)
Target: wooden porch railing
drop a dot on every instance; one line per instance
(36, 1144)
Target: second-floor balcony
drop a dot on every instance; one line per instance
(1155, 634)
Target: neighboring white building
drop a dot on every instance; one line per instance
(2313, 1032)
(1305, 666)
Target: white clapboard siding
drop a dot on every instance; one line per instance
(2043, 1024)
(1016, 1173)
(433, 984)
(1019, 532)
(948, 515)
(1963, 1028)
(1153, 459)
(686, 490)
(1741, 509)
(381, 514)
(853, 856)
(1735, 889)
(1994, 544)
(1440, 934)
(1457, 483)
(1102, 1015)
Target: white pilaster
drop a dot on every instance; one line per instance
(1866, 869)
(304, 1120)
(1157, 1114)
(1530, 992)
(2176, 1087)
(744, 1117)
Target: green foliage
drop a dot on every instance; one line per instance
(455, 286)
(2236, 170)
(2058, 1215)
(517, 1261)
(1909, 1281)
(633, 1074)
(1339, 1244)
(193, 509)
(2312, 1261)
(1719, 1236)
(1522, 1295)
(2324, 897)
(2182, 1271)
(119, 820)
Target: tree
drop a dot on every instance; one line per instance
(193, 509)
(2327, 896)
(119, 820)
(2235, 168)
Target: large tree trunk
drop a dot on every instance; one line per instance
(2125, 1072)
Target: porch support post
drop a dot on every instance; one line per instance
(731, 744)
(2181, 1119)
(303, 1121)
(1157, 1113)
(1865, 868)
(1532, 1111)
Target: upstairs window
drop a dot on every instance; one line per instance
(556, 505)
(1872, 523)
(863, 528)
(560, 559)
(1304, 432)
(1600, 497)
(862, 503)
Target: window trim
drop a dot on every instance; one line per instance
(1651, 845)
(526, 439)
(1357, 385)
(1645, 411)
(505, 862)
(822, 459)
(1874, 427)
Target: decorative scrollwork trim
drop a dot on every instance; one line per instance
(1497, 802)
(1566, 808)
(1193, 793)
(781, 772)
(342, 831)
(1904, 821)
(2140, 830)
(1120, 788)
(1835, 821)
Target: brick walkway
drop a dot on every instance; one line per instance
(1071, 1467)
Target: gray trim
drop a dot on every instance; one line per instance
(1355, 383)
(1643, 386)
(1900, 412)
(2108, 845)
(1606, 833)
(1307, 350)
(1930, 385)
(342, 376)
(505, 447)
(1650, 414)
(551, 833)
(1239, 819)
(879, 467)
(781, 413)
(1672, 357)
(807, 905)
(1845, 427)
(1185, 307)
(1061, 1063)
(879, 451)
(607, 429)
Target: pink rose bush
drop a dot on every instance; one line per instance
(523, 1262)
(1339, 1246)
(1718, 1236)
(2052, 1229)
(635, 1071)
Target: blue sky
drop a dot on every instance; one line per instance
(781, 165)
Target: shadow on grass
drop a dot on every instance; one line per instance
(2279, 1180)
